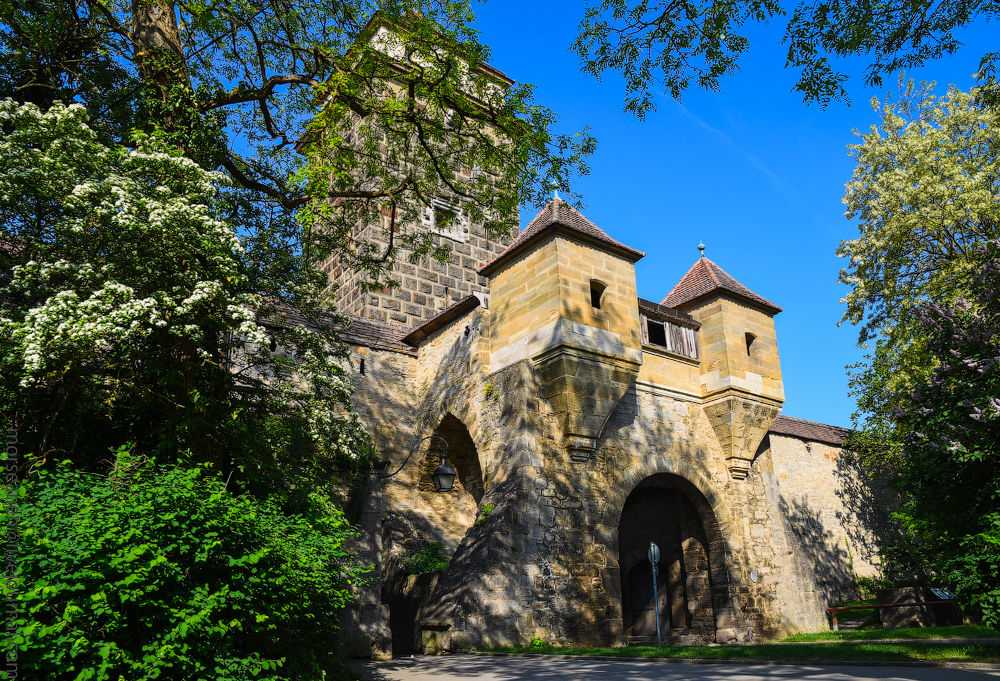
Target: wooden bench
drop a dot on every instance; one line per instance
(833, 611)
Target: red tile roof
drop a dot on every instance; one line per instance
(703, 279)
(809, 430)
(559, 214)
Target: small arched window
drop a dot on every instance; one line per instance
(596, 293)
(750, 341)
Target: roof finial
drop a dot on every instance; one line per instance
(701, 247)
(555, 193)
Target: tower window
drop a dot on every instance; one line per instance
(362, 367)
(445, 219)
(675, 338)
(596, 293)
(750, 341)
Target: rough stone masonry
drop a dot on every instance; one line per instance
(585, 423)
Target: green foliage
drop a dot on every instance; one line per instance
(925, 195)
(484, 513)
(950, 468)
(924, 279)
(127, 314)
(537, 642)
(490, 392)
(895, 37)
(913, 633)
(674, 44)
(428, 559)
(669, 43)
(159, 572)
(234, 87)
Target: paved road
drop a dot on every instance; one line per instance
(450, 668)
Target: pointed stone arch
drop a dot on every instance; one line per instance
(442, 517)
(463, 455)
(694, 589)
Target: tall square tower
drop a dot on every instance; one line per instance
(426, 286)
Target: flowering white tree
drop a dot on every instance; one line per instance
(128, 311)
(926, 197)
(926, 194)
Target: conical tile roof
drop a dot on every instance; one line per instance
(555, 215)
(704, 278)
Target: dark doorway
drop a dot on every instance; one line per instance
(661, 509)
(640, 579)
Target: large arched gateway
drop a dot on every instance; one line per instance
(671, 512)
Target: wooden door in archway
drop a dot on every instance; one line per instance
(640, 591)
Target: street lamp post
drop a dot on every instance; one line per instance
(444, 475)
(654, 558)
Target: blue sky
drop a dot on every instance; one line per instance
(751, 170)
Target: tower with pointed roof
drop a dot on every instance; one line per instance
(567, 293)
(740, 369)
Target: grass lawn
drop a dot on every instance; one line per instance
(915, 633)
(866, 652)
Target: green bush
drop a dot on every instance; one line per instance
(159, 572)
(428, 559)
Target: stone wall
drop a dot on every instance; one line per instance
(826, 505)
(426, 286)
(746, 558)
(546, 561)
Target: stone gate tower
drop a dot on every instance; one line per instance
(586, 422)
(740, 370)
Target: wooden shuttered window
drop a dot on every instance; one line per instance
(675, 338)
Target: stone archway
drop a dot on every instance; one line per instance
(463, 456)
(671, 512)
(442, 517)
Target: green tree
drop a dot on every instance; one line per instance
(949, 469)
(344, 112)
(160, 572)
(926, 195)
(674, 44)
(126, 315)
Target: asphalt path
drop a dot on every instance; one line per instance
(452, 667)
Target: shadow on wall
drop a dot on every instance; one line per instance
(830, 564)
(447, 517)
(486, 560)
(869, 503)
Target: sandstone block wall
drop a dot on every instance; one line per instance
(557, 415)
(726, 360)
(545, 562)
(829, 510)
(426, 286)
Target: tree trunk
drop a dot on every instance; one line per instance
(159, 54)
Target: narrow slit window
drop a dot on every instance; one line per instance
(750, 341)
(596, 293)
(362, 366)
